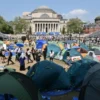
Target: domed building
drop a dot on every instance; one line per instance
(44, 19)
(97, 20)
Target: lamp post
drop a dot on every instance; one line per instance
(79, 37)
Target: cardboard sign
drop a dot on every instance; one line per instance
(76, 58)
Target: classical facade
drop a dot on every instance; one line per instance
(44, 19)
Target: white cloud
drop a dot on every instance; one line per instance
(78, 12)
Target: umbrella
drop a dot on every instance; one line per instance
(20, 44)
(1, 42)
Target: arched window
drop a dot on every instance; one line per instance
(44, 16)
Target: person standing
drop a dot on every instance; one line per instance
(51, 55)
(10, 57)
(28, 54)
(33, 53)
(22, 62)
(45, 52)
(38, 56)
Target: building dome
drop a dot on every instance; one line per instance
(97, 20)
(44, 9)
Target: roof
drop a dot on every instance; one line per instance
(43, 9)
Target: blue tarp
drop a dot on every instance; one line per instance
(40, 43)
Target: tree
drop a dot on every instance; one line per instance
(5, 27)
(63, 31)
(75, 25)
(20, 25)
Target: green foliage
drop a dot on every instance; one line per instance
(5, 27)
(75, 25)
(63, 31)
(20, 25)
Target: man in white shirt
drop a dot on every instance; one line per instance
(51, 55)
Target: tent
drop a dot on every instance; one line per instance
(78, 71)
(49, 76)
(91, 84)
(40, 43)
(85, 47)
(53, 47)
(18, 85)
(94, 56)
(73, 53)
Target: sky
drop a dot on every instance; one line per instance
(86, 10)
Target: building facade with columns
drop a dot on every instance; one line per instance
(44, 19)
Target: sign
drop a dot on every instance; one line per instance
(76, 58)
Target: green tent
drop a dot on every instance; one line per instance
(18, 85)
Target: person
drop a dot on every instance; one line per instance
(3, 55)
(45, 52)
(10, 57)
(28, 54)
(33, 53)
(38, 56)
(18, 53)
(51, 55)
(22, 62)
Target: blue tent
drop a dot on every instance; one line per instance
(20, 44)
(40, 43)
(57, 33)
(49, 76)
(38, 33)
(53, 47)
(43, 33)
(51, 33)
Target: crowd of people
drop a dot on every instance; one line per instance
(30, 54)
